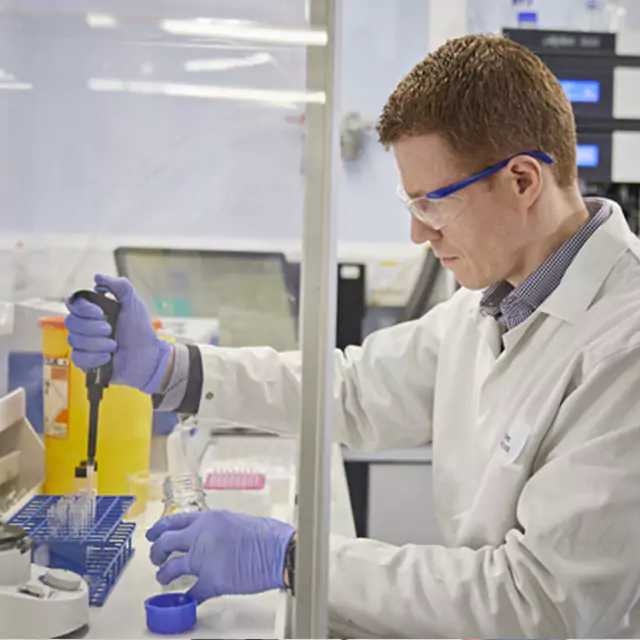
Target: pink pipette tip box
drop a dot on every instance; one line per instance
(235, 480)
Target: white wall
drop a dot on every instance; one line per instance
(382, 42)
(108, 168)
(76, 160)
(103, 169)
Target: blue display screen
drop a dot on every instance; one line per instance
(588, 155)
(581, 90)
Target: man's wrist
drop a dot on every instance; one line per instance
(290, 564)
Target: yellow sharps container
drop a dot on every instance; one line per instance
(125, 424)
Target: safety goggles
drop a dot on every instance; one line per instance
(440, 207)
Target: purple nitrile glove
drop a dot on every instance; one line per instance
(229, 553)
(140, 358)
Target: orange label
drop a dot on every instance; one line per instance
(56, 397)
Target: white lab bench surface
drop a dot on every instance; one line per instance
(259, 616)
(415, 455)
(123, 614)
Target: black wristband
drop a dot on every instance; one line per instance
(290, 565)
(191, 402)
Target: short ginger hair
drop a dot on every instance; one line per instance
(489, 98)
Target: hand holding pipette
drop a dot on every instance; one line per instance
(97, 380)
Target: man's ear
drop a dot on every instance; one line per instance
(527, 177)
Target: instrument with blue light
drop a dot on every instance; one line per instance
(588, 155)
(598, 72)
(581, 90)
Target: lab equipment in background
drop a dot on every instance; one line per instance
(190, 330)
(199, 291)
(99, 554)
(351, 307)
(600, 73)
(126, 417)
(351, 304)
(250, 294)
(522, 14)
(598, 15)
(594, 18)
(21, 452)
(36, 602)
(353, 131)
(21, 352)
(6, 330)
(97, 381)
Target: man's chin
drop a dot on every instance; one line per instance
(467, 281)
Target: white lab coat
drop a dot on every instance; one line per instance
(536, 456)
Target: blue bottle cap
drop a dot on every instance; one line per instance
(171, 613)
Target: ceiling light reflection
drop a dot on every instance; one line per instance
(101, 21)
(213, 29)
(213, 92)
(222, 64)
(16, 86)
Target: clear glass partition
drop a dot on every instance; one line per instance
(168, 142)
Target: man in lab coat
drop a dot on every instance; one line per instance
(526, 382)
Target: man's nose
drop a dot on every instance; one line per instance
(421, 232)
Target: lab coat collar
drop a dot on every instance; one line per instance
(591, 266)
(587, 272)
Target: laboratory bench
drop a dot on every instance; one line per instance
(259, 616)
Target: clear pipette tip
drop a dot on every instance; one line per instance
(92, 490)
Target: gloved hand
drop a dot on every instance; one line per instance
(229, 553)
(140, 358)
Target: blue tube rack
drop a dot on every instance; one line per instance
(99, 555)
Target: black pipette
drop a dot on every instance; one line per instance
(97, 380)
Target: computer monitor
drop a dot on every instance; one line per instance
(251, 294)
